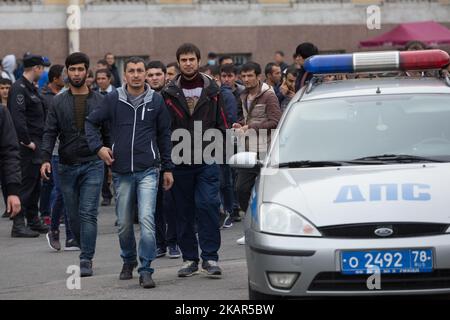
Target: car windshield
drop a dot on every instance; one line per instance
(366, 129)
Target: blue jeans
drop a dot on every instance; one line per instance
(57, 202)
(143, 187)
(196, 195)
(81, 185)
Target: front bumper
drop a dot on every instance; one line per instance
(313, 256)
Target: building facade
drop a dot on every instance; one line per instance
(246, 29)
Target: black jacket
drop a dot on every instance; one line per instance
(140, 135)
(209, 111)
(28, 114)
(73, 146)
(9, 153)
(47, 97)
(115, 72)
(303, 77)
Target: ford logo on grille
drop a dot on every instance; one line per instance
(384, 232)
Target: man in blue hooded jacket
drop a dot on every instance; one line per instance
(140, 128)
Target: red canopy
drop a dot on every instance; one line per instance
(428, 32)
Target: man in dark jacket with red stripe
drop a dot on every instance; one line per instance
(195, 105)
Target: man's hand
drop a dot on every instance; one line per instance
(284, 89)
(46, 170)
(13, 205)
(244, 128)
(167, 180)
(31, 146)
(106, 155)
(239, 129)
(290, 94)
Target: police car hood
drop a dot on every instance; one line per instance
(363, 194)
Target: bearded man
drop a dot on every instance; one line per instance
(80, 170)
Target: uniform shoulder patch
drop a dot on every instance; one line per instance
(20, 99)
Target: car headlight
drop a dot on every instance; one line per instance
(281, 220)
(448, 230)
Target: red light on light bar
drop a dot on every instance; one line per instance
(423, 59)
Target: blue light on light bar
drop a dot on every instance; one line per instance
(377, 61)
(333, 63)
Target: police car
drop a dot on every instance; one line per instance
(354, 195)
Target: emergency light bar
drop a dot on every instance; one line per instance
(377, 61)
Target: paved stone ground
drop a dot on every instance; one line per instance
(31, 270)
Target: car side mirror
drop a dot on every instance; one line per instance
(245, 160)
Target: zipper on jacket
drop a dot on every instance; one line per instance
(153, 150)
(134, 129)
(132, 141)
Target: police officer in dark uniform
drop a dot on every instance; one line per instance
(28, 114)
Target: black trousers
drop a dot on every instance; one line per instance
(165, 218)
(106, 188)
(29, 191)
(244, 184)
(4, 191)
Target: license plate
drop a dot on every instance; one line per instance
(387, 261)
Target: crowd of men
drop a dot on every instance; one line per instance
(82, 134)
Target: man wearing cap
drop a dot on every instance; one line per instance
(28, 114)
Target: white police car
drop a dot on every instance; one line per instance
(354, 196)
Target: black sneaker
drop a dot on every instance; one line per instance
(188, 269)
(38, 226)
(5, 214)
(235, 216)
(71, 245)
(145, 280)
(212, 269)
(106, 202)
(174, 252)
(228, 223)
(160, 252)
(224, 216)
(86, 268)
(22, 231)
(53, 240)
(127, 271)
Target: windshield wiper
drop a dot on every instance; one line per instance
(309, 164)
(398, 158)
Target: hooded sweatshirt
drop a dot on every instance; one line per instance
(8, 65)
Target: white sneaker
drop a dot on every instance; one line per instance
(241, 241)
